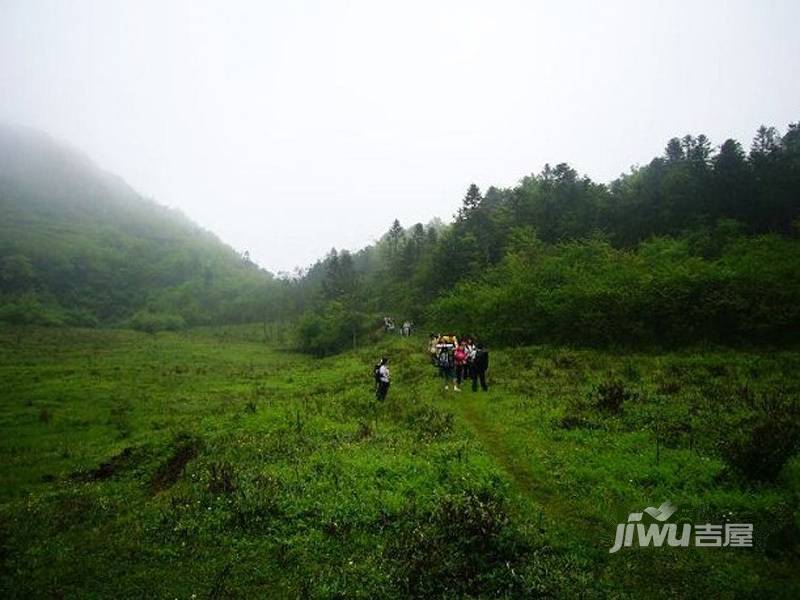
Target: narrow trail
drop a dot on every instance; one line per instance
(535, 496)
(473, 407)
(494, 443)
(530, 485)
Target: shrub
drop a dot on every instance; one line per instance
(589, 292)
(29, 310)
(610, 396)
(759, 448)
(430, 423)
(151, 322)
(332, 330)
(465, 546)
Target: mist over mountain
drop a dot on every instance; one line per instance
(79, 246)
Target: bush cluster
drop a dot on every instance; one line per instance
(589, 292)
(151, 322)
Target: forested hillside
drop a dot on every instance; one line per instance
(78, 246)
(698, 244)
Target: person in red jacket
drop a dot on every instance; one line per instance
(460, 358)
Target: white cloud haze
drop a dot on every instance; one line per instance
(291, 127)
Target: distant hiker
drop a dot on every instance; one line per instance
(432, 348)
(381, 379)
(460, 360)
(406, 330)
(480, 365)
(388, 324)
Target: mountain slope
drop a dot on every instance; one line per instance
(80, 246)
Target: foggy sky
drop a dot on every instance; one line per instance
(291, 127)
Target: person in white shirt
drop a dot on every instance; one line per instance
(382, 376)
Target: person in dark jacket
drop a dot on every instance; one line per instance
(382, 379)
(480, 365)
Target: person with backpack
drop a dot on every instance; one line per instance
(480, 365)
(471, 350)
(445, 362)
(381, 374)
(460, 360)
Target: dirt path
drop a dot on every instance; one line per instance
(536, 495)
(494, 443)
(527, 482)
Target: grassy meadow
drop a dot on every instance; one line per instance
(208, 464)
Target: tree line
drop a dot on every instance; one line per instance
(698, 244)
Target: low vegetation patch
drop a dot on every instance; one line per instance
(322, 492)
(610, 396)
(760, 445)
(430, 422)
(466, 545)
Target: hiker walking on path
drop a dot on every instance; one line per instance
(480, 365)
(382, 379)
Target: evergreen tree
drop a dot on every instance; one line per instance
(472, 200)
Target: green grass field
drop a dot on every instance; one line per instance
(207, 465)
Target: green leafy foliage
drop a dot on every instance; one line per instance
(335, 329)
(699, 244)
(590, 292)
(760, 444)
(152, 322)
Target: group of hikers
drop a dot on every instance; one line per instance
(405, 329)
(455, 359)
(458, 360)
